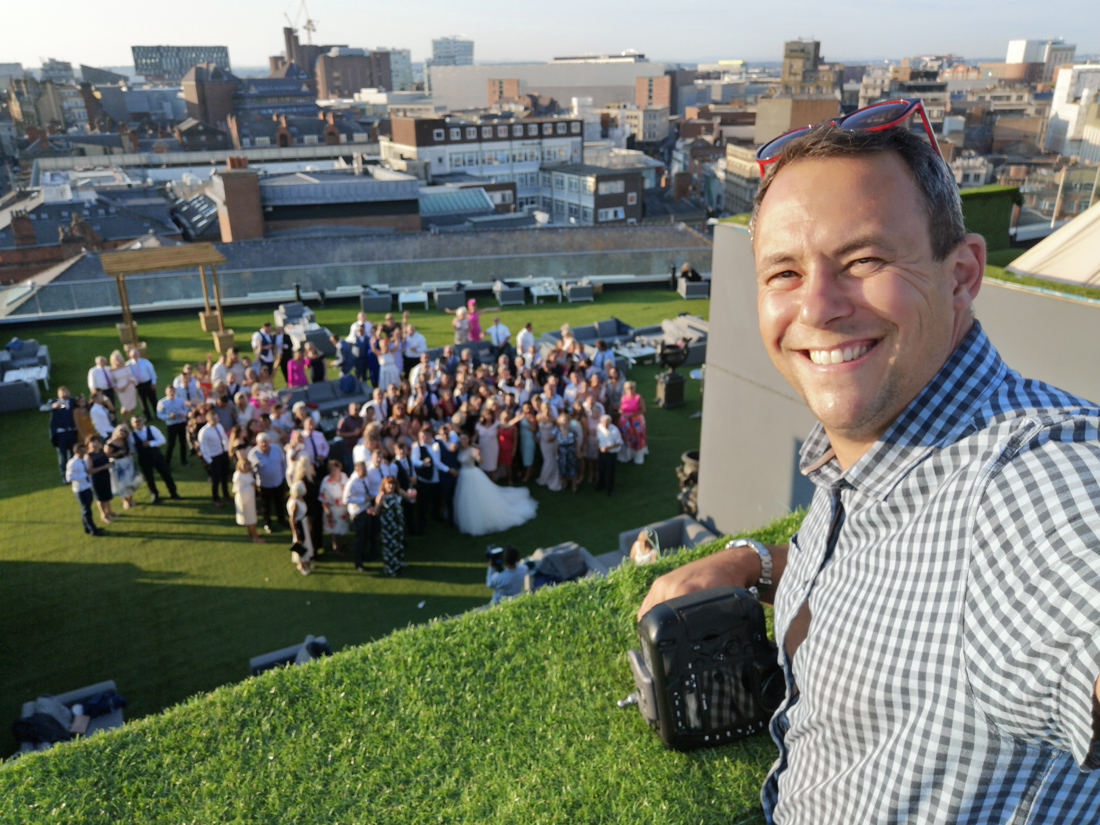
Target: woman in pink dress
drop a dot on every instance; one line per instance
(475, 327)
(297, 369)
(487, 444)
(632, 424)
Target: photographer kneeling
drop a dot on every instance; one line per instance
(505, 579)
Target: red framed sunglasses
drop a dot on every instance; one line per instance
(869, 118)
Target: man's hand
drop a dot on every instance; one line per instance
(736, 566)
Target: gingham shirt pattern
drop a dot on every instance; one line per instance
(950, 663)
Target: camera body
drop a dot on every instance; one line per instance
(705, 671)
(495, 554)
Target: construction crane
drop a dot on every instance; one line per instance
(310, 24)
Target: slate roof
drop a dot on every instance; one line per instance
(110, 216)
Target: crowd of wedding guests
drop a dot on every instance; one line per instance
(560, 418)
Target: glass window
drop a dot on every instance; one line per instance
(573, 186)
(575, 128)
(486, 131)
(471, 133)
(532, 129)
(437, 134)
(517, 130)
(457, 160)
(559, 209)
(502, 131)
(631, 198)
(611, 187)
(471, 158)
(546, 179)
(548, 128)
(561, 128)
(456, 134)
(586, 214)
(574, 210)
(545, 200)
(589, 184)
(559, 182)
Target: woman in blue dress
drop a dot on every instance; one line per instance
(528, 438)
(568, 464)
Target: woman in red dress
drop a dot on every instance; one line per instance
(506, 443)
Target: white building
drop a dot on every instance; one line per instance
(401, 72)
(1072, 113)
(502, 150)
(1051, 53)
(972, 169)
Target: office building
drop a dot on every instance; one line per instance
(173, 62)
(1074, 125)
(342, 72)
(498, 148)
(452, 51)
(59, 71)
(580, 195)
(804, 72)
(1050, 53)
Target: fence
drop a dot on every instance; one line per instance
(60, 299)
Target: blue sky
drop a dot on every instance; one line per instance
(102, 33)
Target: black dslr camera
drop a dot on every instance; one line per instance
(495, 555)
(706, 673)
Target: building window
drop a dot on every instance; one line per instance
(561, 128)
(573, 185)
(486, 131)
(559, 183)
(546, 180)
(532, 129)
(545, 200)
(471, 158)
(613, 214)
(559, 208)
(590, 185)
(575, 128)
(586, 214)
(631, 198)
(574, 211)
(457, 161)
(502, 131)
(611, 187)
(548, 128)
(517, 130)
(471, 133)
(505, 197)
(437, 134)
(456, 133)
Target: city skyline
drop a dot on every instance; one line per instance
(503, 32)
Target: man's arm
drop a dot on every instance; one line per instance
(734, 566)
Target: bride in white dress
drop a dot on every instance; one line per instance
(484, 507)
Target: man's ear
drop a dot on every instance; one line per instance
(969, 268)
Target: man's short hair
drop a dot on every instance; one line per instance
(934, 179)
(511, 555)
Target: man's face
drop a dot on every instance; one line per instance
(854, 311)
(264, 445)
(169, 392)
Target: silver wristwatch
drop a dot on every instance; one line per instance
(765, 559)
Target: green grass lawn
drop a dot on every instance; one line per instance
(501, 716)
(175, 601)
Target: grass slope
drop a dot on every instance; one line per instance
(175, 601)
(501, 716)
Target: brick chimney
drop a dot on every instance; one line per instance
(22, 228)
(237, 191)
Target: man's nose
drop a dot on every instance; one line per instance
(823, 296)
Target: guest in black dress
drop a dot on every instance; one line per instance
(316, 364)
(99, 468)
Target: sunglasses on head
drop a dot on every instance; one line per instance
(870, 118)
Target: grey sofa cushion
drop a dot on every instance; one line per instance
(562, 561)
(52, 706)
(324, 391)
(607, 329)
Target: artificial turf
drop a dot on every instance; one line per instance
(501, 716)
(176, 599)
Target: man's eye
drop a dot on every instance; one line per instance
(782, 278)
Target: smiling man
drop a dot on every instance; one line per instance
(937, 612)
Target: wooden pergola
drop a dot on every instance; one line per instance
(162, 259)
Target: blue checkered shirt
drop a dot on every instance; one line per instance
(953, 578)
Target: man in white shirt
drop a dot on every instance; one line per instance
(100, 380)
(263, 345)
(359, 501)
(416, 345)
(611, 441)
(360, 321)
(187, 388)
(499, 335)
(525, 339)
(214, 449)
(100, 414)
(146, 440)
(146, 377)
(76, 472)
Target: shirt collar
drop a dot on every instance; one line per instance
(940, 414)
